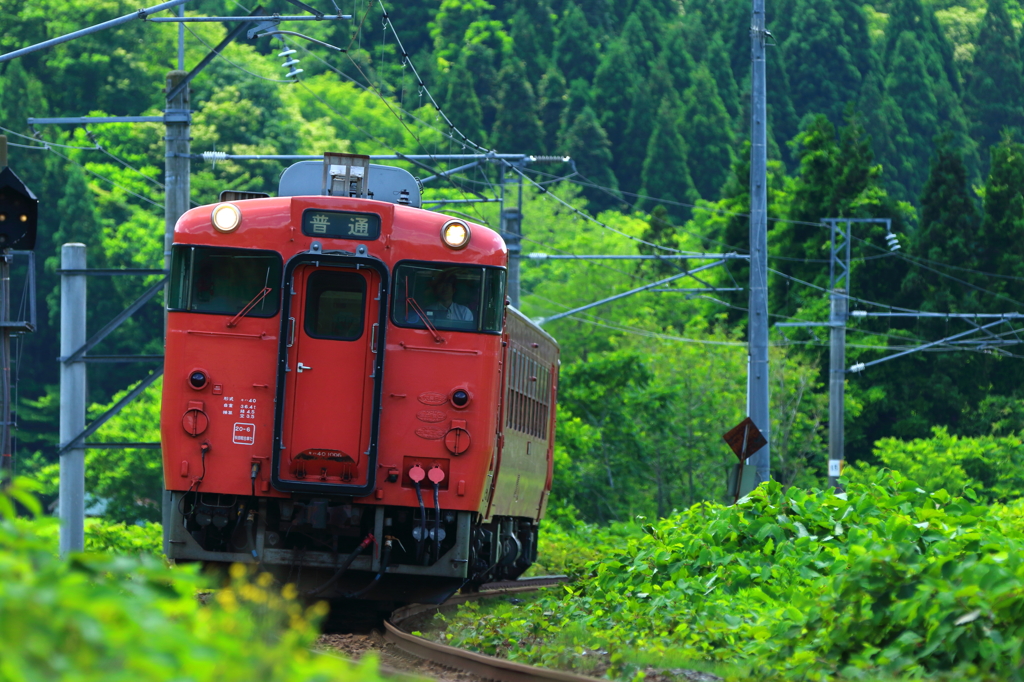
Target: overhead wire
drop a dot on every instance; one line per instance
(547, 193)
(39, 142)
(106, 179)
(947, 275)
(448, 177)
(220, 55)
(412, 67)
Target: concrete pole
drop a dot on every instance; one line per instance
(177, 165)
(836, 383)
(511, 221)
(72, 400)
(177, 184)
(757, 328)
(6, 460)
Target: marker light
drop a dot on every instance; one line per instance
(226, 217)
(455, 234)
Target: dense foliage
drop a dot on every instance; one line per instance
(885, 579)
(991, 466)
(103, 616)
(897, 109)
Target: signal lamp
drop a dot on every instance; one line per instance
(226, 217)
(460, 398)
(455, 234)
(19, 209)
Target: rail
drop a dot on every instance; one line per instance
(487, 667)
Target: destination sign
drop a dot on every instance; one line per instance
(340, 224)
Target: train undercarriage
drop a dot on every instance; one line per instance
(333, 549)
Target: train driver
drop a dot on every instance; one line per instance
(444, 306)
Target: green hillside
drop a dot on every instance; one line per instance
(904, 110)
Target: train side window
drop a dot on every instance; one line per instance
(335, 304)
(224, 281)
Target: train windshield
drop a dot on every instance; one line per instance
(224, 281)
(449, 297)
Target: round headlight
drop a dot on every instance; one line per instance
(455, 234)
(226, 217)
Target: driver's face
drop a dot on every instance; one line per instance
(445, 292)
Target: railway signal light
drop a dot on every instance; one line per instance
(19, 210)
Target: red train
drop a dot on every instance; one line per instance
(348, 398)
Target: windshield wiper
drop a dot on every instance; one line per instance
(423, 317)
(249, 306)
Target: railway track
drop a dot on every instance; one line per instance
(486, 667)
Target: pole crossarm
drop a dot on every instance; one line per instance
(441, 202)
(269, 18)
(111, 272)
(86, 120)
(132, 445)
(861, 366)
(444, 174)
(256, 15)
(223, 156)
(839, 254)
(700, 289)
(138, 14)
(545, 320)
(943, 316)
(536, 255)
(77, 356)
(79, 440)
(804, 324)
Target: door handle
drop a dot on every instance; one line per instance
(303, 368)
(291, 331)
(373, 337)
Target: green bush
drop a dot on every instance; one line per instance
(884, 580)
(116, 617)
(992, 466)
(101, 535)
(567, 545)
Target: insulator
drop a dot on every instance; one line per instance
(293, 73)
(290, 62)
(215, 156)
(286, 52)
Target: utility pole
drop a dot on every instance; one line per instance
(6, 459)
(511, 231)
(177, 162)
(6, 455)
(757, 327)
(836, 384)
(72, 399)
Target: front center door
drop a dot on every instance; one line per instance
(330, 378)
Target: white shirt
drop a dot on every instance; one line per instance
(455, 311)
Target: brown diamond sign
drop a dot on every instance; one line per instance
(745, 439)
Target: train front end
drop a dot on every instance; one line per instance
(332, 388)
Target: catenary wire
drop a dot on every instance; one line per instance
(237, 66)
(106, 179)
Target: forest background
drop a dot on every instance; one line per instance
(904, 110)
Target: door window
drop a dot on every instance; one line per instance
(334, 305)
